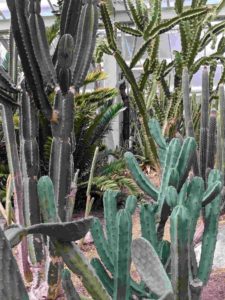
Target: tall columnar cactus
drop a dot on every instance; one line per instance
(69, 74)
(189, 126)
(204, 123)
(205, 157)
(64, 77)
(30, 170)
(8, 104)
(221, 131)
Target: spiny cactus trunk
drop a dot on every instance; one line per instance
(61, 165)
(30, 171)
(222, 129)
(12, 285)
(126, 113)
(204, 123)
(189, 127)
(15, 171)
(211, 149)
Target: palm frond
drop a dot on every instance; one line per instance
(99, 95)
(95, 76)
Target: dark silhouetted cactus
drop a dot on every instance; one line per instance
(78, 29)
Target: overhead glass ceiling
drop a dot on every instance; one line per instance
(47, 6)
(169, 42)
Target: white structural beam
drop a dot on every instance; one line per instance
(112, 139)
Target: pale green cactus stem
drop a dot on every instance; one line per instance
(204, 127)
(189, 127)
(222, 130)
(15, 171)
(30, 171)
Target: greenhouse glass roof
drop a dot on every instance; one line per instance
(47, 6)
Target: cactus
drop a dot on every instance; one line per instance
(30, 170)
(71, 254)
(74, 54)
(204, 123)
(15, 171)
(211, 149)
(205, 157)
(150, 268)
(182, 199)
(177, 164)
(188, 116)
(71, 293)
(221, 130)
(179, 233)
(122, 259)
(61, 237)
(12, 286)
(114, 251)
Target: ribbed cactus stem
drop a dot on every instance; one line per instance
(222, 128)
(78, 263)
(179, 232)
(204, 122)
(211, 149)
(69, 289)
(212, 212)
(12, 285)
(15, 171)
(30, 172)
(218, 144)
(122, 258)
(188, 115)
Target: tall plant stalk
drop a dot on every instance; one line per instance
(15, 171)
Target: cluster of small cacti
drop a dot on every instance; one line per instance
(181, 199)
